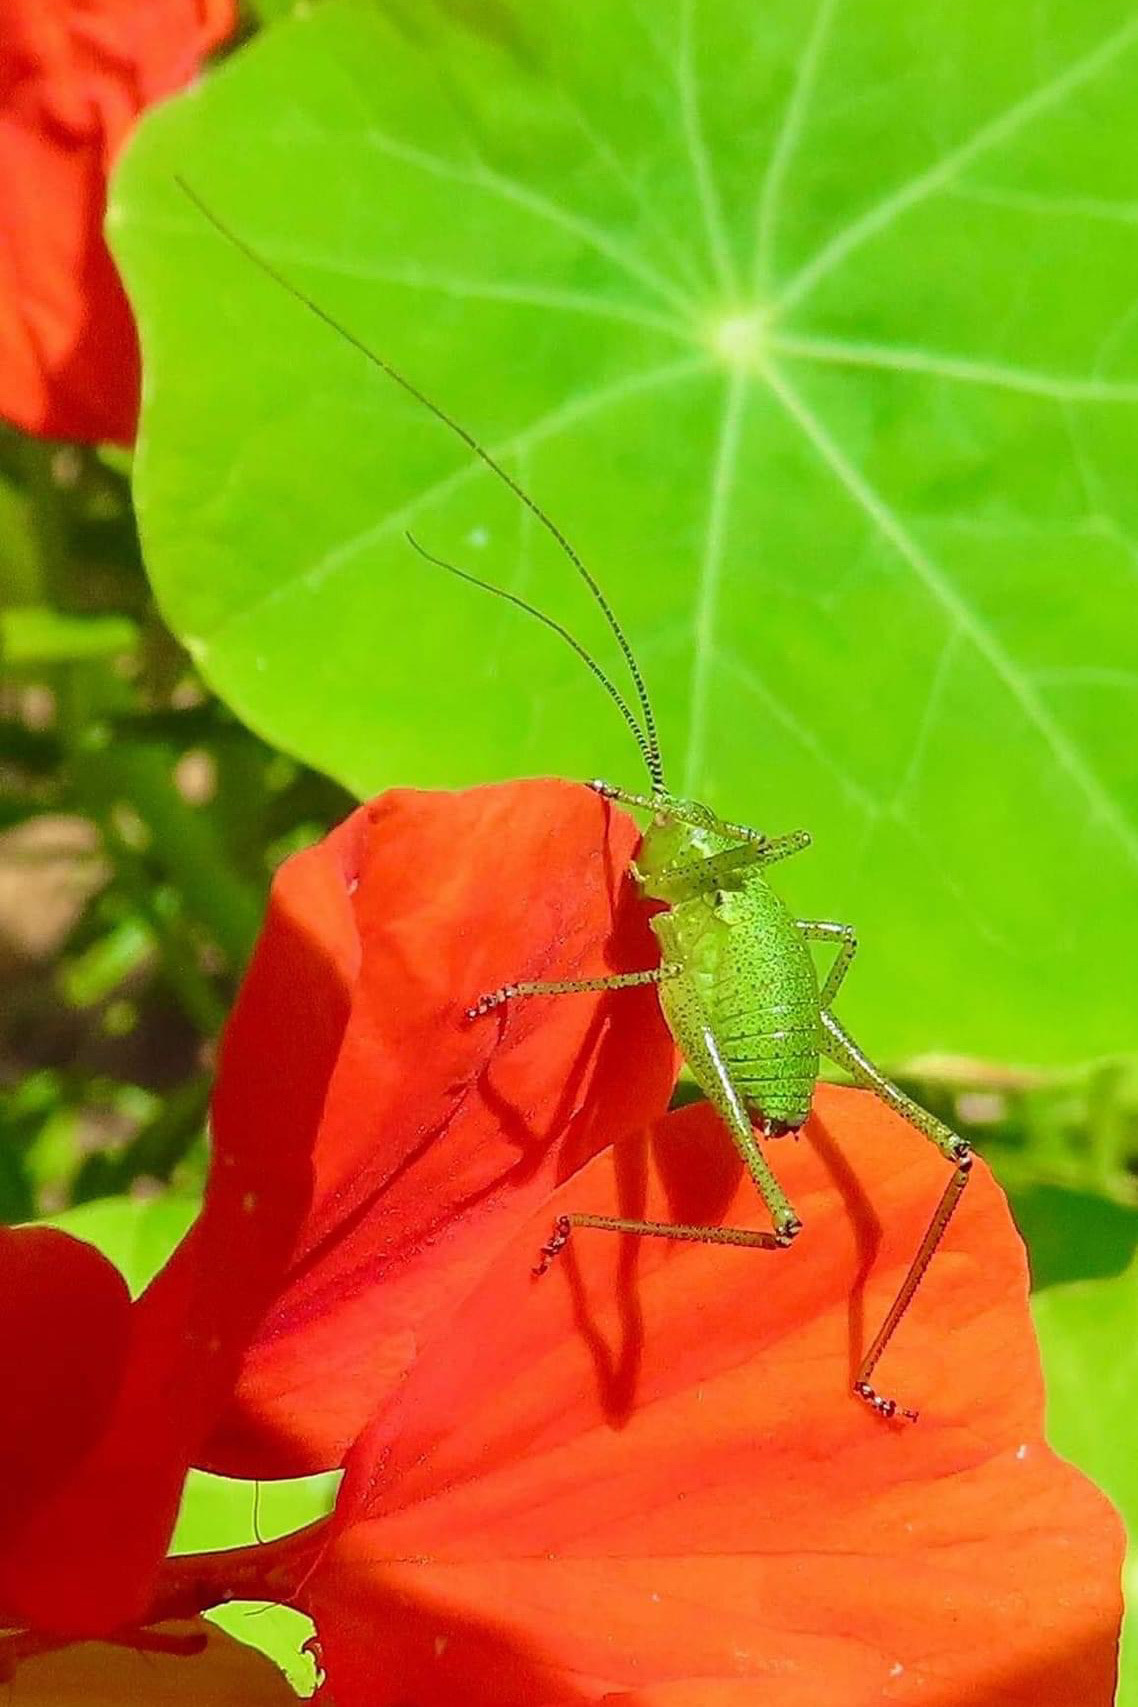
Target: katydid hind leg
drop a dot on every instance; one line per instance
(752, 1238)
(841, 1049)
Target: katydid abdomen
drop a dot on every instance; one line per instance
(752, 976)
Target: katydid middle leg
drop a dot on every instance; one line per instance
(824, 930)
(710, 1069)
(570, 987)
(841, 1048)
(707, 1064)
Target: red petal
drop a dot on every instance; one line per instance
(644, 1478)
(436, 1134)
(64, 1327)
(75, 75)
(68, 353)
(87, 1557)
(364, 1132)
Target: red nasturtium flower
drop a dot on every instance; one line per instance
(641, 1479)
(362, 1131)
(644, 1480)
(74, 76)
(430, 1127)
(108, 1402)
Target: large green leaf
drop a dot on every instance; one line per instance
(1088, 1333)
(813, 326)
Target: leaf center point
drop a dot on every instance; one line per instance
(739, 339)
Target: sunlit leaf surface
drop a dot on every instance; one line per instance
(813, 326)
(137, 1234)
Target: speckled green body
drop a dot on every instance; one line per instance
(748, 975)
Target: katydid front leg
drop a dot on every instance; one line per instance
(683, 811)
(681, 882)
(570, 987)
(705, 876)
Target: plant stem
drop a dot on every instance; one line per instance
(266, 1570)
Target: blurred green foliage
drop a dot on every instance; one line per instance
(853, 454)
(1089, 1335)
(140, 826)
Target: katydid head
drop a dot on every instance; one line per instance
(680, 832)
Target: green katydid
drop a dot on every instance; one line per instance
(736, 978)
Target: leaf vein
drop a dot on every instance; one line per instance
(707, 591)
(1061, 388)
(482, 177)
(576, 408)
(786, 142)
(969, 620)
(706, 189)
(888, 210)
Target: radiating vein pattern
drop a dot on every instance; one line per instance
(815, 326)
(968, 620)
(984, 140)
(557, 421)
(707, 588)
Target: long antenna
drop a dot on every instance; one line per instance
(651, 744)
(613, 692)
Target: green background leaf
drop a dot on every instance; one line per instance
(814, 328)
(1088, 1333)
(137, 1234)
(219, 1511)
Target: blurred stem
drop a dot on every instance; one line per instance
(184, 840)
(275, 1571)
(49, 519)
(192, 989)
(189, 984)
(155, 1151)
